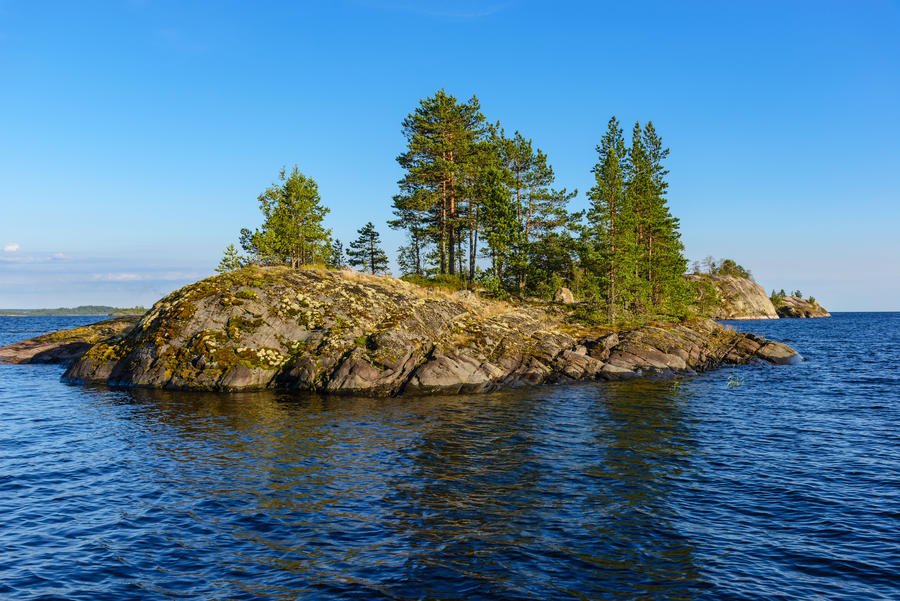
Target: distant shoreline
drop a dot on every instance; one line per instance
(81, 311)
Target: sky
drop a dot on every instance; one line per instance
(135, 136)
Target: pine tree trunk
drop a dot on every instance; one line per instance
(418, 257)
(473, 243)
(452, 230)
(443, 227)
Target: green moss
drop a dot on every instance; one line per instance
(247, 294)
(236, 326)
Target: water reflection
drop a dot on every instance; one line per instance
(781, 488)
(646, 442)
(554, 492)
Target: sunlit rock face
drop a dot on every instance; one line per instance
(739, 298)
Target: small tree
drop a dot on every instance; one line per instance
(797, 293)
(293, 232)
(365, 252)
(408, 261)
(336, 255)
(231, 260)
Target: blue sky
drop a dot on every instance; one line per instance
(136, 136)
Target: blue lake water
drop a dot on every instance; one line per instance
(784, 487)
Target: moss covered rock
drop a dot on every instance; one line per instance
(65, 346)
(341, 332)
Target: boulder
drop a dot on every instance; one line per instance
(563, 295)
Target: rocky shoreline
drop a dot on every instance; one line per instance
(341, 332)
(65, 346)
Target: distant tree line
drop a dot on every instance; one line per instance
(777, 298)
(482, 208)
(710, 266)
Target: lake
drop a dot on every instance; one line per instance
(784, 484)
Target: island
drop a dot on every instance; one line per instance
(726, 297)
(338, 331)
(502, 284)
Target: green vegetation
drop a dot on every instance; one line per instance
(336, 258)
(231, 260)
(80, 310)
(365, 252)
(482, 209)
(722, 267)
(778, 297)
(292, 232)
(632, 245)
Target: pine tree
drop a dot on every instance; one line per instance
(665, 251)
(336, 255)
(231, 260)
(442, 136)
(365, 252)
(611, 254)
(293, 232)
(540, 209)
(502, 230)
(408, 261)
(658, 260)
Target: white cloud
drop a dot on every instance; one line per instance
(152, 276)
(11, 247)
(115, 277)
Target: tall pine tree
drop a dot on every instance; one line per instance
(610, 227)
(442, 137)
(664, 254)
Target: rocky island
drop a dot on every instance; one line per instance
(337, 331)
(742, 298)
(795, 306)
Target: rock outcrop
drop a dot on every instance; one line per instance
(564, 295)
(339, 332)
(65, 346)
(794, 306)
(738, 298)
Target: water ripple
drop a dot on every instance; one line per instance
(787, 487)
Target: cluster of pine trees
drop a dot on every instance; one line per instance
(481, 208)
(471, 191)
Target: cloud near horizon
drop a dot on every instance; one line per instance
(116, 277)
(11, 247)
